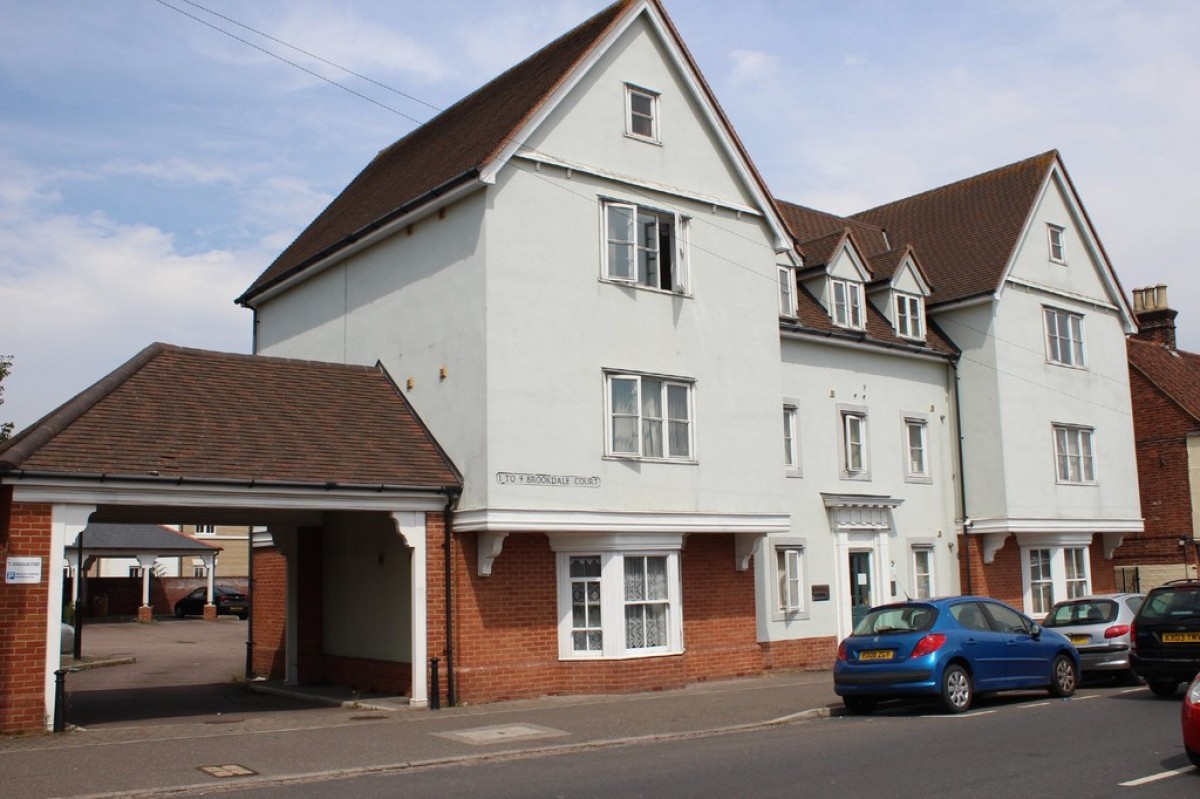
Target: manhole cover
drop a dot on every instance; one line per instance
(502, 733)
(227, 771)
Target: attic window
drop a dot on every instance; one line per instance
(1058, 247)
(641, 113)
(847, 304)
(910, 316)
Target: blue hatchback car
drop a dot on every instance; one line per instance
(950, 648)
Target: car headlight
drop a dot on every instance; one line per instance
(1193, 694)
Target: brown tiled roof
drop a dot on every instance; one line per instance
(172, 412)
(809, 224)
(966, 232)
(1174, 372)
(819, 252)
(451, 147)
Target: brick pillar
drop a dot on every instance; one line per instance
(210, 612)
(24, 531)
(145, 614)
(269, 618)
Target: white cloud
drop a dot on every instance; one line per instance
(753, 66)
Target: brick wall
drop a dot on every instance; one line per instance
(269, 618)
(365, 674)
(24, 531)
(1160, 430)
(1002, 578)
(123, 595)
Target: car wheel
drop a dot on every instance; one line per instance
(179, 611)
(1163, 688)
(956, 689)
(243, 616)
(859, 705)
(1063, 677)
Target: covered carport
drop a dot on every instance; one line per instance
(330, 458)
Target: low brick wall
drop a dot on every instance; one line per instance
(123, 595)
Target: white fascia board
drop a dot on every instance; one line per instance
(168, 494)
(879, 348)
(1032, 525)
(582, 521)
(628, 180)
(958, 305)
(369, 240)
(1082, 224)
(783, 238)
(1066, 295)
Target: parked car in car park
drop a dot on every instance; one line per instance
(1191, 722)
(1099, 627)
(950, 648)
(229, 602)
(1166, 636)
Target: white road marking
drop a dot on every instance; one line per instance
(1130, 691)
(970, 715)
(1162, 775)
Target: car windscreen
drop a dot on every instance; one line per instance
(1082, 611)
(897, 619)
(1171, 603)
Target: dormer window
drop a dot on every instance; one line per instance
(910, 316)
(641, 113)
(1058, 247)
(847, 304)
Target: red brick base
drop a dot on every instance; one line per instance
(145, 614)
(210, 612)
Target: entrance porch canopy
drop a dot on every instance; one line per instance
(194, 436)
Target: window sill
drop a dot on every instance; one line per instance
(643, 139)
(921, 479)
(1078, 483)
(583, 658)
(790, 615)
(862, 477)
(633, 284)
(640, 459)
(793, 473)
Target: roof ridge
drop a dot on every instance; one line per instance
(28, 441)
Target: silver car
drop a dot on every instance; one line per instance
(1099, 628)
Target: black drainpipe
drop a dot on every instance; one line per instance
(962, 477)
(447, 529)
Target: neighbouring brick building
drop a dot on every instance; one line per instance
(1165, 382)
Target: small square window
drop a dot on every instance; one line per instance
(1064, 337)
(1058, 247)
(1076, 462)
(649, 417)
(641, 117)
(787, 291)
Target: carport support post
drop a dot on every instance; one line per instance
(210, 568)
(411, 526)
(146, 612)
(66, 522)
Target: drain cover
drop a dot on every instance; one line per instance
(502, 733)
(227, 771)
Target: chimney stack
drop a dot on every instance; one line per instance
(1155, 319)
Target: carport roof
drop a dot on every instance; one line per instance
(175, 414)
(102, 538)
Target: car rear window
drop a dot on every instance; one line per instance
(897, 619)
(1171, 603)
(1082, 611)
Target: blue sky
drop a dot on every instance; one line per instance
(151, 166)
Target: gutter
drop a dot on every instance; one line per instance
(102, 477)
(447, 535)
(962, 477)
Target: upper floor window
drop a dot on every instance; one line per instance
(205, 529)
(787, 291)
(910, 316)
(847, 304)
(791, 441)
(1073, 454)
(642, 247)
(641, 113)
(1058, 247)
(1064, 337)
(854, 444)
(649, 417)
(916, 434)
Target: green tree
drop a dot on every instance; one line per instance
(6, 428)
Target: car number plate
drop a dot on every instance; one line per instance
(237, 608)
(1181, 638)
(1078, 639)
(876, 654)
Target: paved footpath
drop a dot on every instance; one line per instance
(227, 737)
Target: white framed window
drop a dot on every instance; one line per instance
(1053, 573)
(790, 580)
(1074, 458)
(916, 449)
(641, 113)
(135, 571)
(852, 444)
(198, 571)
(615, 604)
(205, 529)
(649, 416)
(1064, 337)
(910, 316)
(847, 303)
(787, 291)
(791, 438)
(922, 571)
(1055, 235)
(642, 247)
